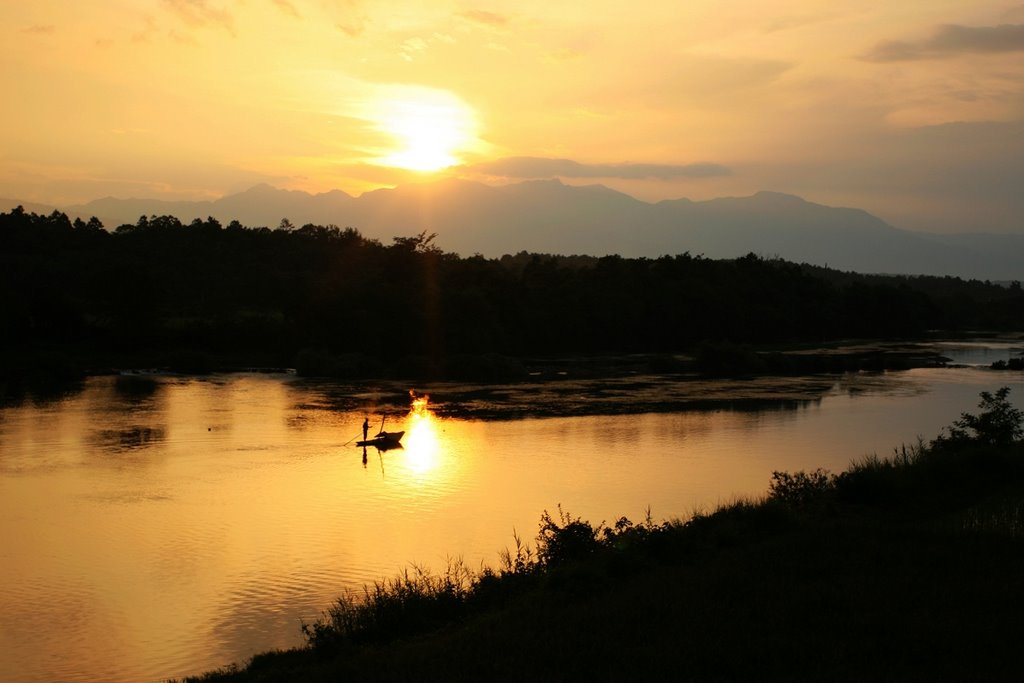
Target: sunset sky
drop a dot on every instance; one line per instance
(913, 110)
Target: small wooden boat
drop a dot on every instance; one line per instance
(383, 439)
(385, 446)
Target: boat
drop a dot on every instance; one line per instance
(383, 440)
(385, 446)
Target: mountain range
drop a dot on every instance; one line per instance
(551, 217)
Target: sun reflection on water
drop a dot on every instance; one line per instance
(422, 449)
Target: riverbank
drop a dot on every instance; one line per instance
(476, 384)
(711, 378)
(906, 568)
(45, 373)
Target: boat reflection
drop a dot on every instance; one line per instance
(383, 447)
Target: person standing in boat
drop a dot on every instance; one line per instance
(366, 427)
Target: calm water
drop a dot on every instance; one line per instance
(164, 527)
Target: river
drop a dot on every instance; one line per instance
(156, 527)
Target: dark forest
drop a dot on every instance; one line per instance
(202, 295)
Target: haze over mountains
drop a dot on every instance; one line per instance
(550, 217)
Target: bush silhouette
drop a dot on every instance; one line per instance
(801, 488)
(567, 539)
(998, 424)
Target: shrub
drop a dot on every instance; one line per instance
(800, 488)
(522, 561)
(566, 539)
(998, 424)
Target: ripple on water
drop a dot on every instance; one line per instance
(248, 513)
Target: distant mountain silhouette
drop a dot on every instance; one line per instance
(31, 207)
(550, 217)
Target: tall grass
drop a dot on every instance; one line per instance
(414, 601)
(419, 600)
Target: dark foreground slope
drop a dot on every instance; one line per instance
(807, 605)
(901, 569)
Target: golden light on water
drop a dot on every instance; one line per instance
(422, 448)
(419, 404)
(292, 507)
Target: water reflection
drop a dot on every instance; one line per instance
(135, 386)
(189, 522)
(42, 388)
(980, 353)
(136, 436)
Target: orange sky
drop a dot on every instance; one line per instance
(912, 110)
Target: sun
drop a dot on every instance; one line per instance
(429, 128)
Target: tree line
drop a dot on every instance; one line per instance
(330, 296)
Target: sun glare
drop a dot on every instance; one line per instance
(429, 128)
(422, 448)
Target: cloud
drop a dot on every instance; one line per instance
(950, 40)
(540, 167)
(287, 8)
(790, 22)
(412, 47)
(40, 29)
(352, 30)
(182, 38)
(484, 17)
(200, 13)
(349, 16)
(690, 82)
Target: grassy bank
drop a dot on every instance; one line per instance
(900, 568)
